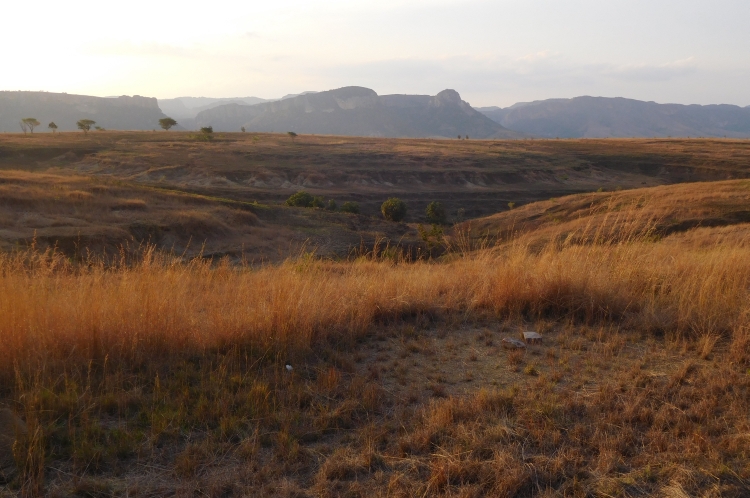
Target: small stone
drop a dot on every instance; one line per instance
(532, 337)
(509, 343)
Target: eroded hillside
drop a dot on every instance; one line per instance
(471, 178)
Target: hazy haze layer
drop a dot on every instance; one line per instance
(493, 52)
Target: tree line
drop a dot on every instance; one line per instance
(29, 124)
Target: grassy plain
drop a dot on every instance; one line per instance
(156, 374)
(478, 176)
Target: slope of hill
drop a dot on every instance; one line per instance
(630, 214)
(472, 178)
(359, 111)
(120, 113)
(598, 117)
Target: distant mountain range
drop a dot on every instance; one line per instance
(598, 117)
(359, 111)
(118, 113)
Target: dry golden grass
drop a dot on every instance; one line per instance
(614, 216)
(161, 305)
(166, 376)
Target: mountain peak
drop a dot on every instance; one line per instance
(448, 97)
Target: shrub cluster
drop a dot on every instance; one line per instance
(307, 200)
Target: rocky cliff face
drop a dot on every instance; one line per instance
(362, 112)
(599, 117)
(119, 113)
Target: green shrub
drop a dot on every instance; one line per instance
(394, 209)
(350, 207)
(435, 213)
(300, 199)
(331, 205)
(318, 202)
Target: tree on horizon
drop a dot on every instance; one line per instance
(85, 125)
(167, 123)
(29, 123)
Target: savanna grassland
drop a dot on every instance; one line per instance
(150, 372)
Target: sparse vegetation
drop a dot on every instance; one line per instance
(350, 207)
(300, 199)
(29, 124)
(394, 209)
(436, 213)
(85, 125)
(167, 123)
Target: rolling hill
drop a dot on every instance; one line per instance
(708, 213)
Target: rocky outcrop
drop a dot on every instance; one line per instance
(599, 117)
(117, 113)
(361, 112)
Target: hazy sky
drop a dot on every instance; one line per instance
(492, 52)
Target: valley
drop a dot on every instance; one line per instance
(172, 328)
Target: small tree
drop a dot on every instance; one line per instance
(350, 207)
(300, 199)
(459, 137)
(207, 130)
(167, 123)
(85, 125)
(31, 123)
(435, 213)
(317, 202)
(292, 135)
(331, 205)
(511, 205)
(242, 129)
(394, 209)
(52, 126)
(467, 137)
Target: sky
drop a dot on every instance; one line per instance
(492, 52)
